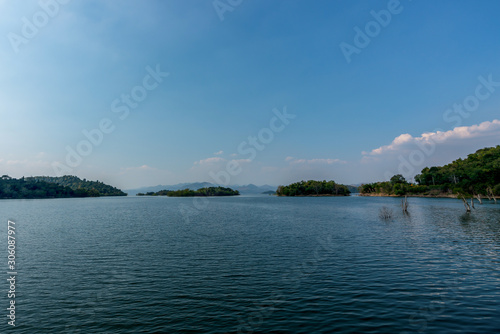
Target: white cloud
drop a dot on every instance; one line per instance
(219, 153)
(407, 141)
(33, 166)
(294, 161)
(140, 168)
(408, 155)
(209, 161)
(325, 161)
(242, 161)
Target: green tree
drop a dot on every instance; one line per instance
(396, 179)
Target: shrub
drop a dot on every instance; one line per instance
(496, 190)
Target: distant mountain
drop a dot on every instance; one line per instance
(353, 188)
(243, 189)
(269, 192)
(253, 189)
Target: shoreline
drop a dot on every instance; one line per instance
(423, 196)
(322, 195)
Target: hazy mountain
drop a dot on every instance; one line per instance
(353, 188)
(253, 189)
(243, 189)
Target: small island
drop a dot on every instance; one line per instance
(202, 192)
(313, 188)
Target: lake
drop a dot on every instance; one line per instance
(252, 264)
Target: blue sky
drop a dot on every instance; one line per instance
(355, 121)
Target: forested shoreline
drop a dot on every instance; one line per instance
(53, 187)
(476, 176)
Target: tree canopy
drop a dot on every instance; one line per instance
(202, 192)
(30, 188)
(313, 188)
(478, 174)
(92, 188)
(53, 187)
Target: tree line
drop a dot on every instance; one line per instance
(93, 188)
(42, 187)
(202, 192)
(478, 174)
(313, 188)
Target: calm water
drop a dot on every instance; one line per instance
(253, 265)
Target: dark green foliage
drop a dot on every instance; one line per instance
(182, 193)
(313, 188)
(398, 179)
(473, 175)
(202, 192)
(476, 174)
(54, 187)
(150, 193)
(161, 193)
(396, 186)
(26, 188)
(368, 188)
(496, 190)
(90, 188)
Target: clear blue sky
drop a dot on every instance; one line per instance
(226, 76)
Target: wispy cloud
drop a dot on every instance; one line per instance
(209, 161)
(219, 153)
(217, 162)
(138, 176)
(140, 168)
(293, 160)
(25, 167)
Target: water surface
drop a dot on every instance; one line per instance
(253, 265)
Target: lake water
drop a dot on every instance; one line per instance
(252, 265)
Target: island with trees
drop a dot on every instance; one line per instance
(313, 188)
(53, 187)
(202, 192)
(476, 176)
